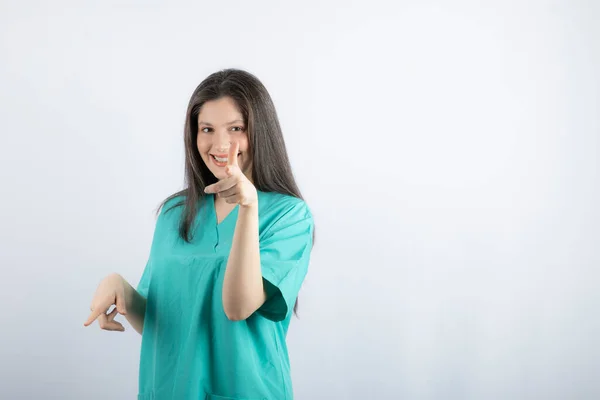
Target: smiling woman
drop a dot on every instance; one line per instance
(229, 255)
(214, 139)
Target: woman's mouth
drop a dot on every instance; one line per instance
(221, 161)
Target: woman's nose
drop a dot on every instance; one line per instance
(222, 145)
(221, 141)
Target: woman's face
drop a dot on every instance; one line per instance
(219, 124)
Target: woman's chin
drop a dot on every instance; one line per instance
(219, 173)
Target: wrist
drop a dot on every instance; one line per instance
(248, 212)
(127, 290)
(250, 207)
(253, 206)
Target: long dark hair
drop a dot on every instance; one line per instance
(271, 169)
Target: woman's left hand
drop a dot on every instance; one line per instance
(236, 188)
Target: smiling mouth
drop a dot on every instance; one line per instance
(220, 160)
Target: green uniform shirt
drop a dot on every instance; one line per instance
(190, 349)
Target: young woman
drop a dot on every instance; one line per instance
(228, 257)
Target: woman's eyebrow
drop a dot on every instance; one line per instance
(229, 123)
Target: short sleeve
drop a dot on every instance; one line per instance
(144, 283)
(284, 258)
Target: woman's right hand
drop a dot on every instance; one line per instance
(111, 290)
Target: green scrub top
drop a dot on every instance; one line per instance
(190, 349)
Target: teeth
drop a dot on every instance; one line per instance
(220, 159)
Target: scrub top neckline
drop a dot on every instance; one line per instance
(214, 216)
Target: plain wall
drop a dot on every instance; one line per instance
(448, 150)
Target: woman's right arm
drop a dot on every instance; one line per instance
(136, 307)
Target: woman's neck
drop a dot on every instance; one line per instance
(222, 204)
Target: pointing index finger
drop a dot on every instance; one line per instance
(94, 314)
(233, 153)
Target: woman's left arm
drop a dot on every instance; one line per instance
(243, 290)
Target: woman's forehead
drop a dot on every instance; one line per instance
(223, 111)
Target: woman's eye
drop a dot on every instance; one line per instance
(204, 130)
(238, 127)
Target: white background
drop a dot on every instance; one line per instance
(449, 152)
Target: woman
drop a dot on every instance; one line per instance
(228, 257)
